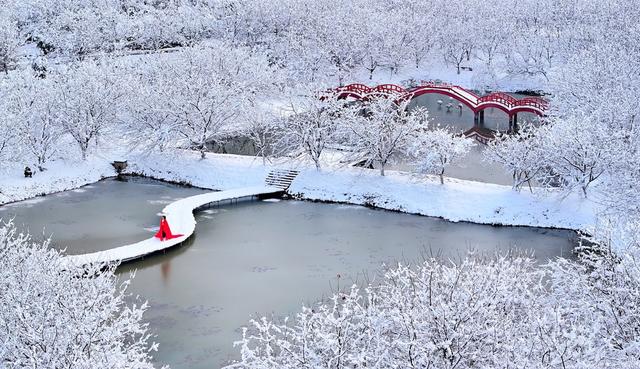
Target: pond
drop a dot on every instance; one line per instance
(459, 117)
(256, 258)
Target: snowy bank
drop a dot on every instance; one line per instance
(59, 176)
(456, 200)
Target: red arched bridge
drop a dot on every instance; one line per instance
(499, 100)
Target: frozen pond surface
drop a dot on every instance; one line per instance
(256, 257)
(100, 216)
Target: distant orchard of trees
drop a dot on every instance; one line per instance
(312, 39)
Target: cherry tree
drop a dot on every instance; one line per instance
(59, 315)
(382, 130)
(437, 149)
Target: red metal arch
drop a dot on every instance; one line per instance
(423, 91)
(499, 100)
(347, 94)
(484, 106)
(527, 110)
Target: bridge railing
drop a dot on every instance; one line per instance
(389, 89)
(535, 102)
(445, 85)
(502, 98)
(358, 88)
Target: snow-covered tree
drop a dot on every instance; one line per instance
(578, 152)
(438, 314)
(310, 125)
(9, 41)
(479, 312)
(33, 107)
(521, 154)
(206, 91)
(148, 125)
(596, 104)
(382, 130)
(437, 149)
(8, 138)
(89, 99)
(262, 127)
(58, 315)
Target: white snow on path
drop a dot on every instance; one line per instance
(181, 220)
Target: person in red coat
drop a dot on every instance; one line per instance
(164, 233)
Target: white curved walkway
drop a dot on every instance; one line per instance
(181, 220)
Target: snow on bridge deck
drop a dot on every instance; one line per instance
(476, 103)
(181, 220)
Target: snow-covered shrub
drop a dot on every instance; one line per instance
(522, 154)
(57, 315)
(437, 149)
(502, 312)
(440, 315)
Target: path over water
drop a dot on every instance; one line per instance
(181, 220)
(261, 257)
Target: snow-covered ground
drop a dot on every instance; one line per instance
(59, 176)
(479, 78)
(456, 200)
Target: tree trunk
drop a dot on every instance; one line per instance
(382, 170)
(83, 150)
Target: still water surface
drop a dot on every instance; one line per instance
(254, 258)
